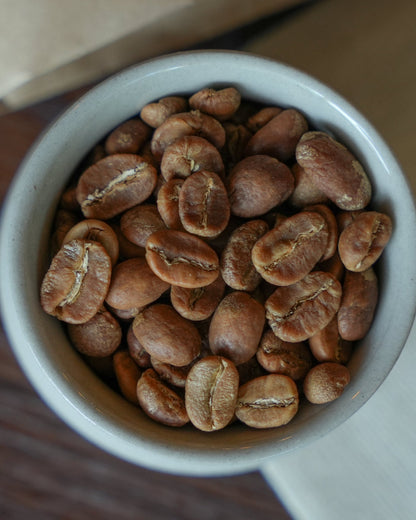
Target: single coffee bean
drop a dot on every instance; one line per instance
(199, 303)
(305, 192)
(64, 220)
(334, 170)
(325, 382)
(279, 137)
(268, 401)
(327, 344)
(127, 375)
(182, 259)
(128, 137)
(257, 184)
(288, 252)
(115, 184)
(362, 242)
(211, 393)
(77, 281)
(358, 304)
(221, 104)
(298, 311)
(138, 223)
(204, 209)
(166, 336)
(237, 268)
(126, 248)
(134, 285)
(98, 337)
(236, 327)
(281, 357)
(188, 155)
(187, 123)
(154, 114)
(160, 402)
(124, 314)
(96, 231)
(168, 203)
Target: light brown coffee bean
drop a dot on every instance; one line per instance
(261, 118)
(134, 285)
(288, 252)
(98, 337)
(136, 350)
(77, 281)
(327, 344)
(160, 402)
(358, 304)
(190, 154)
(168, 203)
(199, 303)
(175, 376)
(204, 209)
(257, 184)
(181, 259)
(334, 170)
(127, 375)
(281, 357)
(221, 103)
(268, 401)
(154, 114)
(211, 393)
(115, 184)
(332, 226)
(138, 223)
(96, 231)
(298, 311)
(326, 382)
(237, 268)
(362, 242)
(187, 123)
(236, 327)
(279, 137)
(345, 218)
(128, 137)
(166, 336)
(305, 192)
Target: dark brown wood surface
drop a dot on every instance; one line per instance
(49, 472)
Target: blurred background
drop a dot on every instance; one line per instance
(53, 52)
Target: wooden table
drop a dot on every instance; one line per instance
(47, 471)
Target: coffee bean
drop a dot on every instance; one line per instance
(211, 393)
(325, 382)
(181, 259)
(160, 402)
(167, 336)
(127, 375)
(267, 401)
(299, 311)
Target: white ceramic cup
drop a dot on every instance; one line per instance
(58, 373)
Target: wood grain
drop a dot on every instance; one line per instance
(49, 472)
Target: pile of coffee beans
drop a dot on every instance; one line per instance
(213, 261)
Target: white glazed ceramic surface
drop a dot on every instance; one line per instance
(57, 372)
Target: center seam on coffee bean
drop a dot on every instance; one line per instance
(124, 178)
(79, 278)
(302, 237)
(265, 403)
(182, 260)
(295, 307)
(205, 201)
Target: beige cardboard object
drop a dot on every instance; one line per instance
(49, 46)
